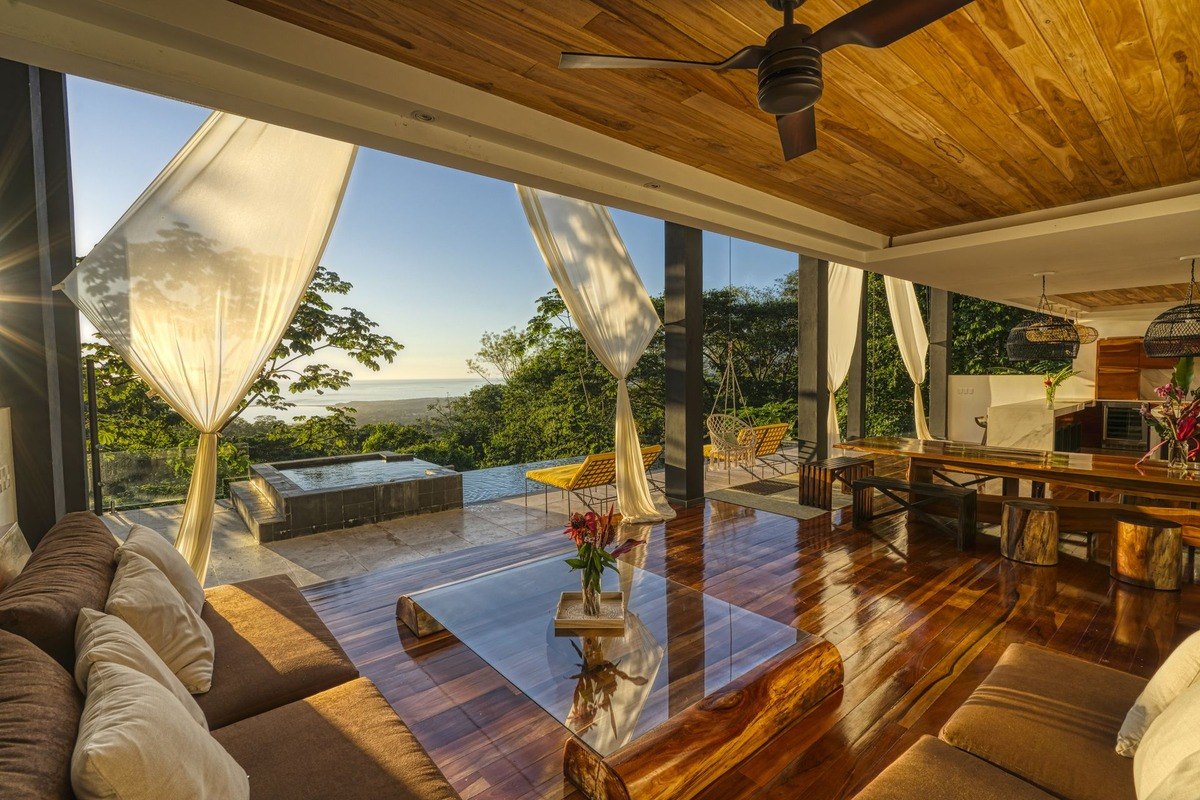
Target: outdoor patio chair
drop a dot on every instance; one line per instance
(597, 471)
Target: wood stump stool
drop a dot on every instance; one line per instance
(1147, 552)
(1029, 532)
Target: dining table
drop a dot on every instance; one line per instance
(1124, 475)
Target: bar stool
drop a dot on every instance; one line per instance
(1147, 552)
(1029, 532)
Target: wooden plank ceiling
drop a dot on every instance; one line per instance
(1004, 106)
(1121, 298)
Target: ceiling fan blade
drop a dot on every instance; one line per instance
(878, 23)
(746, 58)
(798, 132)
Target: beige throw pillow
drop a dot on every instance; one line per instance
(149, 545)
(143, 597)
(103, 638)
(1177, 673)
(1181, 783)
(1165, 767)
(137, 743)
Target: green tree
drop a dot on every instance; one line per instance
(319, 327)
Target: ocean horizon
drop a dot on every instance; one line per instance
(365, 390)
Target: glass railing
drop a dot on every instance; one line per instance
(130, 479)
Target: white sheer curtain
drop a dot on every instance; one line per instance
(606, 298)
(845, 302)
(913, 341)
(196, 283)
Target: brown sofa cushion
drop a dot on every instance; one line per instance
(39, 717)
(346, 742)
(71, 568)
(1052, 720)
(271, 649)
(933, 770)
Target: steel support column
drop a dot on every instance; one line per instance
(812, 393)
(684, 317)
(941, 344)
(40, 377)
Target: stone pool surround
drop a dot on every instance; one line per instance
(274, 508)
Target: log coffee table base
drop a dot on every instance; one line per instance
(692, 749)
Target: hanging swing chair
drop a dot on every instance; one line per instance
(732, 439)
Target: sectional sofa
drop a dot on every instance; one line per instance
(286, 703)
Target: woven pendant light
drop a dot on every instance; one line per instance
(1175, 333)
(1043, 337)
(1087, 334)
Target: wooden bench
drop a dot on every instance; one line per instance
(817, 479)
(916, 498)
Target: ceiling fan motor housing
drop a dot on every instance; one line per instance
(789, 77)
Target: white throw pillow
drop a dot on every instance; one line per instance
(1165, 766)
(143, 597)
(137, 743)
(149, 545)
(103, 638)
(1177, 673)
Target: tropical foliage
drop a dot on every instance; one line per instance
(546, 395)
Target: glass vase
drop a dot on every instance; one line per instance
(1177, 459)
(589, 586)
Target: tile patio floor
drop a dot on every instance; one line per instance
(310, 559)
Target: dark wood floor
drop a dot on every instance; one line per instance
(917, 623)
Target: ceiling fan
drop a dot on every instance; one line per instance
(789, 63)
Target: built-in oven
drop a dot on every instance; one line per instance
(1124, 427)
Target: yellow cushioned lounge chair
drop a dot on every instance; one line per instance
(767, 439)
(594, 472)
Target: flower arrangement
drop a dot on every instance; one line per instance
(1177, 418)
(593, 534)
(1056, 380)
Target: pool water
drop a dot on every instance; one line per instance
(365, 472)
(479, 485)
(493, 483)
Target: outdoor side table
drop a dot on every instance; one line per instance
(818, 478)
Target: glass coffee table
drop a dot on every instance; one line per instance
(692, 686)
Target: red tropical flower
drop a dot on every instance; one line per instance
(1186, 428)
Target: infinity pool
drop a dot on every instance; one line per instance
(493, 483)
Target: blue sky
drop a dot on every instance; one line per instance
(436, 256)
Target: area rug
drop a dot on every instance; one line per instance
(776, 495)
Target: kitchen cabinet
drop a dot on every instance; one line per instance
(1118, 368)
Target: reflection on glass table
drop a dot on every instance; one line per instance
(679, 645)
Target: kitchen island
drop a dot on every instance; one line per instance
(1032, 424)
